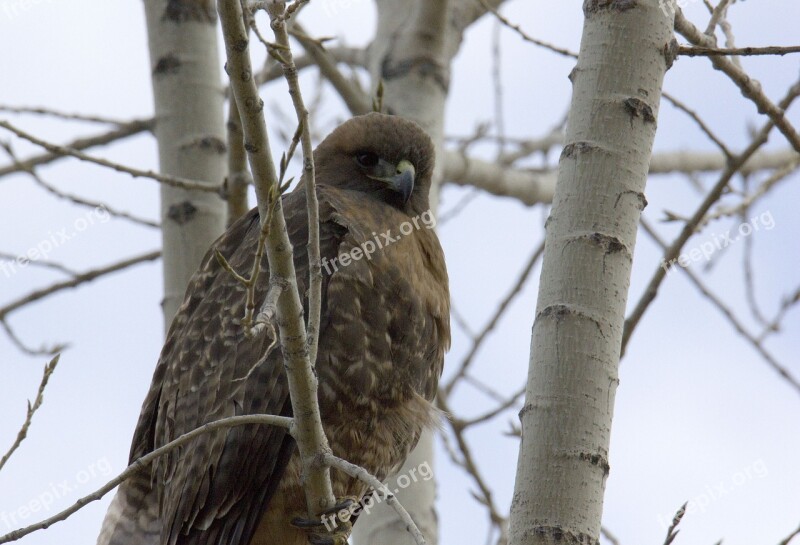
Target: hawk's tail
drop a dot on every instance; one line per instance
(132, 517)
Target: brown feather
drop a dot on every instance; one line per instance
(384, 331)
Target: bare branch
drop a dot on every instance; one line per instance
(691, 226)
(144, 461)
(357, 472)
(689, 51)
(309, 434)
(477, 341)
(729, 315)
(309, 181)
(174, 181)
(74, 199)
(703, 127)
(787, 539)
(27, 350)
(527, 186)
(50, 112)
(132, 128)
(23, 432)
(357, 102)
(749, 87)
(39, 263)
(76, 281)
(239, 179)
(524, 36)
(467, 462)
(606, 533)
(672, 533)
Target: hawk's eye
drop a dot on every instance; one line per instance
(367, 159)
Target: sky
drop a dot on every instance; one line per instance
(699, 416)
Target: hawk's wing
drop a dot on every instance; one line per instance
(215, 489)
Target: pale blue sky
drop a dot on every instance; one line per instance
(697, 412)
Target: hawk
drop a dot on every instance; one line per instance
(384, 330)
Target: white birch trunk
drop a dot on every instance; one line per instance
(591, 233)
(190, 129)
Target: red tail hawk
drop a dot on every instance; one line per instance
(384, 331)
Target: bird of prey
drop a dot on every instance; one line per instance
(384, 330)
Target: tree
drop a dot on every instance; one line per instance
(415, 58)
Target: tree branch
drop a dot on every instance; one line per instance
(23, 432)
(76, 281)
(309, 436)
(749, 87)
(144, 461)
(690, 227)
(174, 181)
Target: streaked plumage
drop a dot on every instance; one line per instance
(384, 331)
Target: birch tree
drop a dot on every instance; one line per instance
(605, 157)
(626, 48)
(190, 131)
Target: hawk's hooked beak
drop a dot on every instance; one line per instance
(400, 177)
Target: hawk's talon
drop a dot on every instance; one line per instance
(327, 529)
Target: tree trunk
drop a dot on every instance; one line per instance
(190, 130)
(188, 93)
(591, 233)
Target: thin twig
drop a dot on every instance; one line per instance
(504, 305)
(144, 461)
(132, 128)
(787, 539)
(748, 86)
(695, 51)
(691, 226)
(239, 179)
(717, 13)
(672, 532)
(774, 325)
(357, 102)
(38, 110)
(705, 128)
(606, 533)
(367, 478)
(80, 201)
(27, 350)
(467, 462)
(286, 60)
(728, 313)
(52, 265)
(527, 37)
(173, 181)
(76, 281)
(778, 175)
(507, 404)
(23, 432)
(309, 434)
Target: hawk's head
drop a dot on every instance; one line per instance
(384, 156)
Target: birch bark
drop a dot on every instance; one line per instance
(591, 233)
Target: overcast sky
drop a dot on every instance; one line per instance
(699, 416)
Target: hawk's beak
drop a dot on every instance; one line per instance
(400, 177)
(403, 180)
